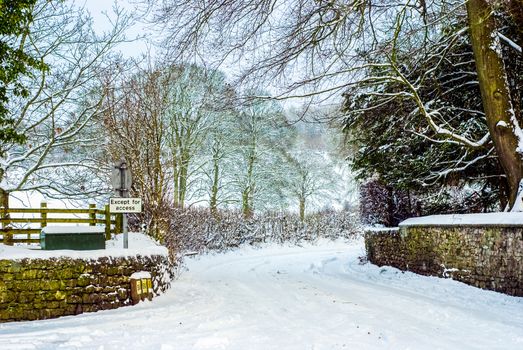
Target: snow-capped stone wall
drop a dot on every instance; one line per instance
(488, 256)
(41, 288)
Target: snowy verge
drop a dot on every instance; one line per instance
(139, 244)
(373, 229)
(483, 219)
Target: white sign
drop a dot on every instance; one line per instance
(125, 205)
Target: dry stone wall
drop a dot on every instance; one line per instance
(488, 256)
(32, 289)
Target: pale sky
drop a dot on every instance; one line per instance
(98, 10)
(137, 48)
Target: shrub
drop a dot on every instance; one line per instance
(196, 230)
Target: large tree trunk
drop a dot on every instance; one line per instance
(495, 92)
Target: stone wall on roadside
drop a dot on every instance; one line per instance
(32, 289)
(484, 256)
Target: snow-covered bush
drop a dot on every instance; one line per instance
(383, 205)
(197, 230)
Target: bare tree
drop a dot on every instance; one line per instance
(340, 44)
(161, 119)
(261, 130)
(136, 123)
(193, 109)
(60, 115)
(218, 154)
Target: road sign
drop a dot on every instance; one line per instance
(121, 178)
(125, 205)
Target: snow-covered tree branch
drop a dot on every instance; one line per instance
(61, 115)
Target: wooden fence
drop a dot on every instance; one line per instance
(92, 216)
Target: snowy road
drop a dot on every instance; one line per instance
(291, 298)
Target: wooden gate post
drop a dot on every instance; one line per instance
(6, 224)
(107, 223)
(92, 214)
(43, 214)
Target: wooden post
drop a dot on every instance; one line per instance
(107, 223)
(92, 214)
(8, 237)
(118, 227)
(43, 216)
(141, 289)
(6, 225)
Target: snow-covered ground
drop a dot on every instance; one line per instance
(139, 244)
(311, 297)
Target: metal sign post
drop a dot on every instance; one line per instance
(125, 233)
(121, 180)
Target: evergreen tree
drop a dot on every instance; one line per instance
(15, 62)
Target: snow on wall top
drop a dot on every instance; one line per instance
(140, 274)
(139, 244)
(72, 229)
(483, 219)
(380, 229)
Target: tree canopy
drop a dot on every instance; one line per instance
(15, 61)
(390, 49)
